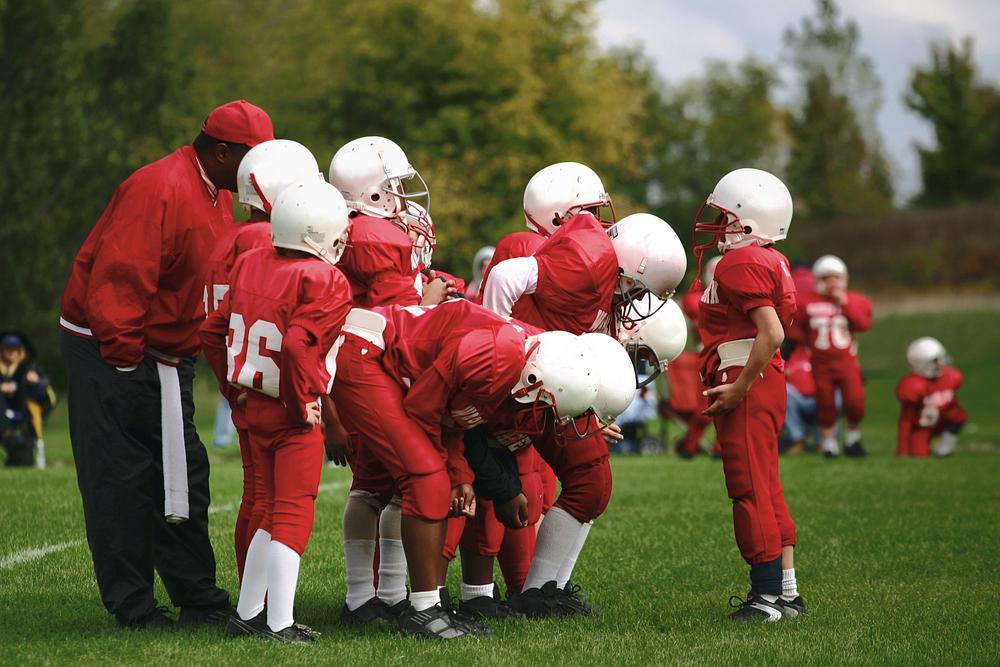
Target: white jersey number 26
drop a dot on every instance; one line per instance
(256, 371)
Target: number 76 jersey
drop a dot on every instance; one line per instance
(827, 328)
(277, 328)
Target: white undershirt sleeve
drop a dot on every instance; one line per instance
(509, 281)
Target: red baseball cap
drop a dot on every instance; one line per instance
(239, 122)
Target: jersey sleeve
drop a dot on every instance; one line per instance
(747, 286)
(858, 311)
(910, 390)
(126, 271)
(509, 281)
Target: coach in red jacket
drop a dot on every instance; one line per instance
(130, 316)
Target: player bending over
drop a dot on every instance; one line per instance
(928, 399)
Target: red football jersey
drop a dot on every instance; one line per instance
(827, 328)
(378, 263)
(689, 304)
(799, 372)
(577, 276)
(515, 244)
(923, 400)
(276, 329)
(241, 238)
(136, 282)
(745, 278)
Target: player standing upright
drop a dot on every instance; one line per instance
(273, 341)
(826, 323)
(744, 313)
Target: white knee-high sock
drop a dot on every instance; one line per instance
(566, 570)
(360, 525)
(392, 558)
(254, 587)
(556, 539)
(282, 577)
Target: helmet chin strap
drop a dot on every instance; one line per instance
(322, 252)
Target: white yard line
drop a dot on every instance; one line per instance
(34, 553)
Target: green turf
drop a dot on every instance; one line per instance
(897, 559)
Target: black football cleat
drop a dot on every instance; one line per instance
(572, 599)
(470, 621)
(435, 623)
(237, 627)
(855, 451)
(487, 607)
(793, 608)
(541, 602)
(373, 613)
(200, 616)
(755, 608)
(154, 620)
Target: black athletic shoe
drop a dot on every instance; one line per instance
(830, 455)
(541, 602)
(397, 610)
(855, 451)
(793, 608)
(371, 613)
(237, 627)
(436, 623)
(472, 622)
(571, 598)
(755, 608)
(194, 616)
(680, 451)
(154, 620)
(487, 607)
(296, 633)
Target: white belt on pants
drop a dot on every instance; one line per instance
(734, 353)
(366, 324)
(175, 476)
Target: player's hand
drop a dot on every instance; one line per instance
(514, 512)
(462, 499)
(612, 433)
(723, 399)
(313, 415)
(31, 377)
(840, 294)
(8, 388)
(337, 443)
(450, 282)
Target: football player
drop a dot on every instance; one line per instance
(744, 313)
(826, 324)
(928, 399)
(266, 170)
(401, 371)
(271, 344)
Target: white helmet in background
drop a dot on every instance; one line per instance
(651, 259)
(420, 228)
(311, 216)
(270, 167)
(482, 259)
(560, 372)
(655, 341)
(374, 176)
(926, 357)
(826, 266)
(617, 377)
(755, 208)
(558, 192)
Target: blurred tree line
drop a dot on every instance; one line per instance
(480, 93)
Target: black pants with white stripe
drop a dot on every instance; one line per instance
(114, 420)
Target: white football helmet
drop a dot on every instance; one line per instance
(826, 266)
(420, 228)
(926, 357)
(655, 341)
(651, 260)
(558, 192)
(560, 372)
(375, 176)
(270, 167)
(617, 386)
(754, 207)
(311, 216)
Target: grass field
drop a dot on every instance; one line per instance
(898, 559)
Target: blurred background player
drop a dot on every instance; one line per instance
(25, 400)
(479, 264)
(266, 170)
(743, 316)
(826, 324)
(800, 411)
(271, 344)
(928, 398)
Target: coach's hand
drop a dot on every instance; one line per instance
(724, 398)
(514, 512)
(463, 500)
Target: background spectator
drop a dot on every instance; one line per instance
(25, 399)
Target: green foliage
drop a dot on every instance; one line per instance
(836, 166)
(964, 164)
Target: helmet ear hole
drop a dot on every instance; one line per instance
(532, 378)
(556, 221)
(375, 196)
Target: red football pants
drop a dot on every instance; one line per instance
(583, 470)
(370, 402)
(847, 376)
(287, 464)
(749, 439)
(919, 442)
